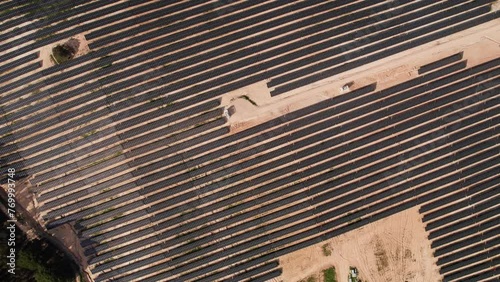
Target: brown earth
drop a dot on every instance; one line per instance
(392, 249)
(46, 51)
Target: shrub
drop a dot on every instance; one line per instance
(329, 275)
(327, 251)
(65, 52)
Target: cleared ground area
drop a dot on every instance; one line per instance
(131, 144)
(391, 249)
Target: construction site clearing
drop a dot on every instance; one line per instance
(256, 140)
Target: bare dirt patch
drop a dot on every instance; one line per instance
(67, 235)
(68, 239)
(392, 249)
(46, 51)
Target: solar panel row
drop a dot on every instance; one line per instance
(441, 63)
(70, 194)
(461, 242)
(106, 143)
(174, 181)
(460, 205)
(386, 51)
(468, 250)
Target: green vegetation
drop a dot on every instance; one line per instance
(107, 158)
(52, 10)
(107, 66)
(309, 279)
(381, 256)
(45, 37)
(5, 12)
(116, 154)
(44, 30)
(118, 215)
(99, 233)
(6, 134)
(108, 260)
(234, 205)
(194, 250)
(198, 125)
(354, 220)
(108, 209)
(330, 275)
(37, 260)
(194, 168)
(65, 52)
(61, 54)
(90, 133)
(327, 250)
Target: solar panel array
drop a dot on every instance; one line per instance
(464, 229)
(453, 161)
(129, 141)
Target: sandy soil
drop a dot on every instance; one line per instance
(392, 249)
(46, 51)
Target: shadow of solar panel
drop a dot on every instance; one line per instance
(148, 271)
(267, 276)
(102, 227)
(392, 50)
(492, 273)
(462, 223)
(465, 203)
(371, 38)
(468, 261)
(255, 271)
(462, 243)
(141, 19)
(454, 171)
(469, 250)
(440, 63)
(471, 270)
(26, 59)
